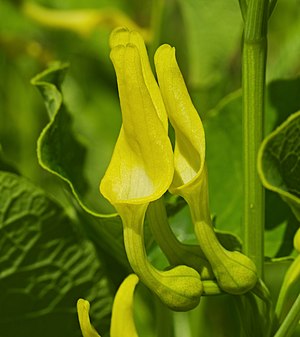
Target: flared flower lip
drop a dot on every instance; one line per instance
(138, 200)
(193, 183)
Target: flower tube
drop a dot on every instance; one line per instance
(235, 272)
(141, 168)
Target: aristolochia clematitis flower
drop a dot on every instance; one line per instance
(235, 272)
(141, 169)
(122, 320)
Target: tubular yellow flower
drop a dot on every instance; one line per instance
(83, 309)
(122, 321)
(235, 272)
(141, 168)
(81, 21)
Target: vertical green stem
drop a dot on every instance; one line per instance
(253, 83)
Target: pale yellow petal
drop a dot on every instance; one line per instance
(189, 154)
(82, 21)
(83, 308)
(122, 320)
(122, 36)
(141, 167)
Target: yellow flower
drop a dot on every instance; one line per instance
(81, 21)
(122, 321)
(141, 169)
(235, 272)
(83, 309)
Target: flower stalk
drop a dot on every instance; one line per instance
(176, 252)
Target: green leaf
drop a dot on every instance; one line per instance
(281, 225)
(107, 237)
(224, 160)
(282, 101)
(275, 270)
(60, 151)
(279, 162)
(45, 266)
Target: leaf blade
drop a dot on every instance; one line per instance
(45, 265)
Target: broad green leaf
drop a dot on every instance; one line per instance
(45, 266)
(281, 225)
(107, 237)
(273, 239)
(279, 162)
(282, 101)
(275, 269)
(224, 160)
(60, 151)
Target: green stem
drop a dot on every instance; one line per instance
(163, 234)
(253, 84)
(235, 272)
(176, 252)
(178, 288)
(291, 321)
